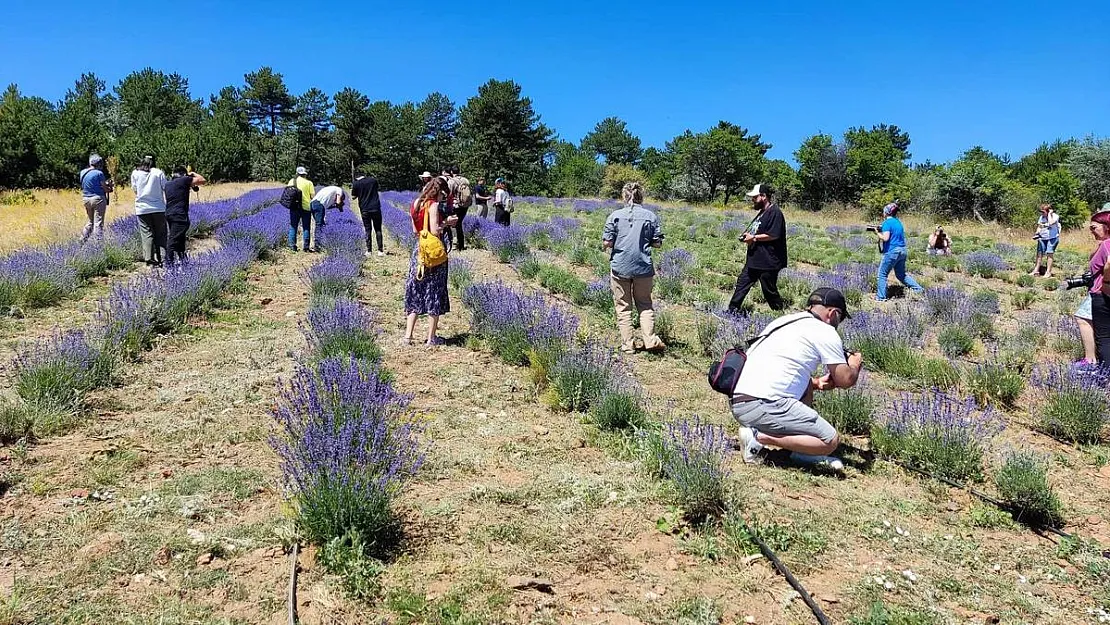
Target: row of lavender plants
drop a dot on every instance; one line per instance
(42, 276)
(348, 441)
(53, 375)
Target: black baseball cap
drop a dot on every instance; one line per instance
(830, 298)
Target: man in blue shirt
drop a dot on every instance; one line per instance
(630, 233)
(892, 243)
(95, 187)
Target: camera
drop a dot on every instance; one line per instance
(872, 228)
(1085, 280)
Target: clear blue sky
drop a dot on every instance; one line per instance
(1007, 75)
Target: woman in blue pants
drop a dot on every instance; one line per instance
(892, 242)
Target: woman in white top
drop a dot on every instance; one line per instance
(501, 203)
(149, 184)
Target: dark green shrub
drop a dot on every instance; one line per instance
(16, 422)
(995, 383)
(1022, 300)
(1025, 281)
(562, 282)
(1022, 482)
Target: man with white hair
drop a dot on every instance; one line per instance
(95, 187)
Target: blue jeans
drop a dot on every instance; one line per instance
(895, 259)
(317, 213)
(302, 218)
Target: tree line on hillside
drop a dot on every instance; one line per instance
(259, 130)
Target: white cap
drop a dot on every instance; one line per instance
(301, 171)
(760, 189)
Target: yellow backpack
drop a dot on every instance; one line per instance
(430, 250)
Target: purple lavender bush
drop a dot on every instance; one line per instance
(674, 266)
(938, 433)
(692, 455)
(342, 327)
(53, 374)
(518, 326)
(335, 276)
(36, 278)
(721, 330)
(398, 222)
(1074, 401)
(347, 443)
(508, 242)
(984, 264)
(266, 229)
(581, 375)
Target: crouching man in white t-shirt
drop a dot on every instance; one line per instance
(773, 395)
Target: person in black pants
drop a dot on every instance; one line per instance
(1099, 268)
(365, 191)
(766, 241)
(177, 210)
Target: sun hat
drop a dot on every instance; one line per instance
(830, 298)
(426, 175)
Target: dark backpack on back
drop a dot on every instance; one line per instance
(724, 375)
(291, 197)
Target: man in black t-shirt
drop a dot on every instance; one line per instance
(177, 210)
(365, 190)
(766, 241)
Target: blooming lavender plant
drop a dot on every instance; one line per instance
(36, 278)
(335, 276)
(983, 263)
(692, 454)
(516, 324)
(508, 242)
(347, 442)
(580, 376)
(266, 229)
(53, 374)
(721, 330)
(342, 327)
(398, 222)
(1074, 401)
(599, 294)
(937, 432)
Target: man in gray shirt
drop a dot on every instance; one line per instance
(630, 233)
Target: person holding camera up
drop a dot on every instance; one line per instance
(1098, 276)
(892, 243)
(940, 244)
(774, 393)
(1047, 237)
(766, 257)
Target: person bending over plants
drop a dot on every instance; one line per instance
(630, 233)
(773, 395)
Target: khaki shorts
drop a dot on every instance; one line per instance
(783, 417)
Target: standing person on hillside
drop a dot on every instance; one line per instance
(326, 198)
(365, 190)
(1048, 237)
(427, 294)
(630, 233)
(502, 202)
(482, 198)
(892, 243)
(149, 184)
(766, 257)
(463, 198)
(95, 187)
(773, 396)
(177, 209)
(303, 216)
(1099, 266)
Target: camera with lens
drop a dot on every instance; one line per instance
(1086, 280)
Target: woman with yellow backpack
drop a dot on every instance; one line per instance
(426, 287)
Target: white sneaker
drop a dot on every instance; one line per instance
(750, 446)
(368, 254)
(825, 462)
(380, 253)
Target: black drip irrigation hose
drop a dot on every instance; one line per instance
(783, 570)
(1037, 528)
(292, 597)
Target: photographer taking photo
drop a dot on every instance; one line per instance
(1099, 268)
(892, 243)
(773, 396)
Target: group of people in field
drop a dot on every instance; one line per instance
(771, 397)
(161, 205)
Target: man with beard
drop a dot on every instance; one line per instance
(766, 241)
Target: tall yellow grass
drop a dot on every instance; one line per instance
(55, 215)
